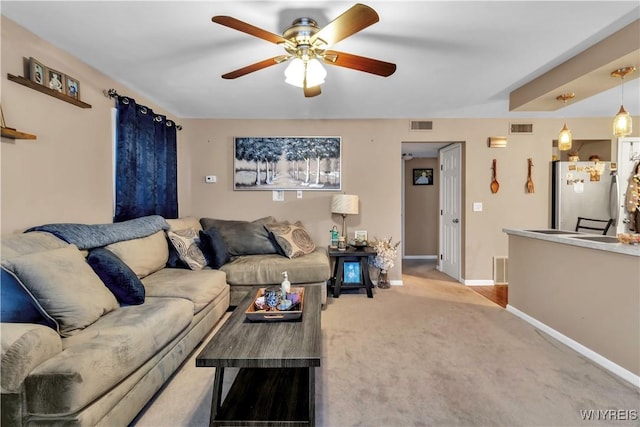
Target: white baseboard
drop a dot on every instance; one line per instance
(585, 351)
(420, 257)
(478, 282)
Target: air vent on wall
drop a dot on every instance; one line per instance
(525, 128)
(421, 125)
(500, 270)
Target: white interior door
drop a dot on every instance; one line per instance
(450, 212)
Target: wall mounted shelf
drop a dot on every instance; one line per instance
(15, 134)
(35, 86)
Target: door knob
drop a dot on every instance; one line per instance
(456, 220)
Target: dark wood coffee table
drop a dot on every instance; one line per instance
(276, 383)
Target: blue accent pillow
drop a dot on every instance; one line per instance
(214, 248)
(18, 305)
(117, 276)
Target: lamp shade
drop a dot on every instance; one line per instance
(345, 204)
(622, 123)
(564, 139)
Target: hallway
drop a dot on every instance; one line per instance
(421, 267)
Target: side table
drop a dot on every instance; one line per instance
(356, 255)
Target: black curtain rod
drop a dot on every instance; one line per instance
(112, 93)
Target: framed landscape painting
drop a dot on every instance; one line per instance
(287, 163)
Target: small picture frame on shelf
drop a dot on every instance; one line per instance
(361, 235)
(351, 272)
(423, 176)
(72, 87)
(37, 71)
(55, 80)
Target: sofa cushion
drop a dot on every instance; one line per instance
(27, 243)
(199, 286)
(144, 255)
(267, 269)
(183, 223)
(186, 244)
(214, 248)
(96, 359)
(65, 286)
(243, 237)
(293, 239)
(117, 276)
(25, 346)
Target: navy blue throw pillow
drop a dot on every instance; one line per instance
(18, 305)
(117, 276)
(214, 248)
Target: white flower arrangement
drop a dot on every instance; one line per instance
(386, 253)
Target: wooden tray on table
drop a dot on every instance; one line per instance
(295, 312)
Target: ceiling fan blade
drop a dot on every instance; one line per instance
(254, 67)
(236, 24)
(360, 63)
(350, 22)
(310, 92)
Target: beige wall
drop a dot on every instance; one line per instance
(421, 210)
(66, 174)
(588, 295)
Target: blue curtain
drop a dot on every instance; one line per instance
(146, 163)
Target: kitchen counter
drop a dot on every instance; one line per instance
(584, 293)
(575, 238)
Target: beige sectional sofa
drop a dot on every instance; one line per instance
(105, 372)
(74, 353)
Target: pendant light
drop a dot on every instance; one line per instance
(622, 121)
(564, 138)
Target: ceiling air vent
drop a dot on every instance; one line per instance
(421, 125)
(522, 128)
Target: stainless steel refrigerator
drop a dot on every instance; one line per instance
(583, 189)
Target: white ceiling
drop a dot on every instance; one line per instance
(455, 59)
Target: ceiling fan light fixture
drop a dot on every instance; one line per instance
(299, 71)
(294, 73)
(315, 73)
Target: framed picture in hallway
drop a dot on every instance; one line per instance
(423, 176)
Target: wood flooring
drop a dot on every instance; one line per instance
(499, 294)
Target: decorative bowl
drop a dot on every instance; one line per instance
(360, 244)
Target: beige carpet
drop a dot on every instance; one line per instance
(430, 353)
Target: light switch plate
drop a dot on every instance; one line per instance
(278, 195)
(210, 179)
(477, 206)
(299, 194)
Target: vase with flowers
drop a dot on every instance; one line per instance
(384, 259)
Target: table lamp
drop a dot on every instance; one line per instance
(344, 204)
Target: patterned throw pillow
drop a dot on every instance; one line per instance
(186, 243)
(293, 239)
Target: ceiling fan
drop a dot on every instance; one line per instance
(306, 45)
